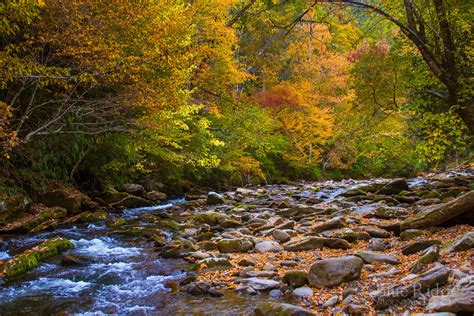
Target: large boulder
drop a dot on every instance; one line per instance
(439, 214)
(134, 189)
(73, 200)
(334, 271)
(466, 242)
(281, 309)
(234, 245)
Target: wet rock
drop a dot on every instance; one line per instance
(74, 260)
(372, 256)
(419, 245)
(201, 288)
(436, 215)
(281, 309)
(430, 255)
(281, 235)
(33, 257)
(156, 196)
(460, 299)
(259, 284)
(211, 218)
(466, 242)
(337, 222)
(117, 222)
(305, 243)
(411, 234)
(334, 271)
(431, 278)
(234, 245)
(268, 246)
(214, 198)
(394, 187)
(295, 278)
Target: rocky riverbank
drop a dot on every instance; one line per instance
(307, 248)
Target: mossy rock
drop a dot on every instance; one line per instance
(31, 222)
(206, 236)
(32, 258)
(170, 224)
(295, 278)
(117, 222)
(210, 218)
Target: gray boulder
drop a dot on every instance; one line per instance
(334, 271)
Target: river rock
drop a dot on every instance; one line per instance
(259, 284)
(281, 235)
(178, 249)
(234, 245)
(418, 245)
(281, 309)
(295, 278)
(334, 271)
(200, 288)
(394, 187)
(267, 246)
(216, 263)
(431, 278)
(466, 242)
(377, 245)
(460, 299)
(305, 243)
(436, 215)
(214, 198)
(372, 256)
(156, 195)
(44, 218)
(303, 292)
(411, 234)
(33, 257)
(337, 222)
(69, 198)
(430, 255)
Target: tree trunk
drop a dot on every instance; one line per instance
(466, 112)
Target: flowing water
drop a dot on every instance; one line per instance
(122, 275)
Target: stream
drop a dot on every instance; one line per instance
(123, 275)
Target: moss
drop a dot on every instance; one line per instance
(170, 224)
(211, 218)
(116, 222)
(32, 258)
